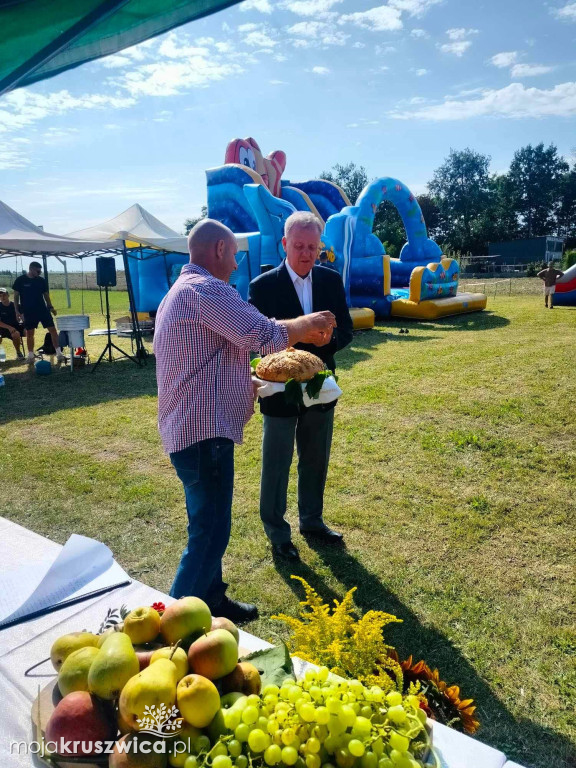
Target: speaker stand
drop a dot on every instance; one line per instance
(110, 344)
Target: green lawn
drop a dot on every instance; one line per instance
(452, 477)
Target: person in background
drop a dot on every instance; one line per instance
(549, 276)
(31, 299)
(10, 328)
(203, 338)
(293, 289)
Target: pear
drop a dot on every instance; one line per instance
(154, 686)
(63, 647)
(177, 655)
(73, 675)
(114, 665)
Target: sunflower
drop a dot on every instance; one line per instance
(442, 700)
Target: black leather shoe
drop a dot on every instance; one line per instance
(286, 551)
(324, 536)
(236, 611)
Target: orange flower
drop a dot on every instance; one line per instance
(444, 702)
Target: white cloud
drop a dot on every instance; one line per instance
(264, 6)
(172, 48)
(384, 50)
(358, 44)
(320, 70)
(460, 44)
(529, 70)
(278, 82)
(260, 39)
(379, 19)
(514, 101)
(413, 7)
(504, 59)
(458, 49)
(566, 13)
(419, 33)
(420, 72)
(311, 34)
(318, 9)
(460, 33)
(248, 27)
(352, 125)
(24, 107)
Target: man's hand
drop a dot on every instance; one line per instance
(319, 338)
(52, 310)
(307, 328)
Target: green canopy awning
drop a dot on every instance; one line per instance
(40, 38)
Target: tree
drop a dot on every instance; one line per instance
(566, 215)
(536, 178)
(190, 223)
(431, 214)
(461, 188)
(351, 178)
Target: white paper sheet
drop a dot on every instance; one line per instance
(83, 566)
(330, 391)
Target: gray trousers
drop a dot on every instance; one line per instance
(313, 432)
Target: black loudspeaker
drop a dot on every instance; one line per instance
(105, 271)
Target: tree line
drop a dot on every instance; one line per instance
(466, 206)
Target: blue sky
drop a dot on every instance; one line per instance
(392, 87)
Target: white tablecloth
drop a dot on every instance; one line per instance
(25, 644)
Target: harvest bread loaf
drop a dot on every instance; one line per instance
(289, 364)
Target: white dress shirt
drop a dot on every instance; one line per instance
(303, 286)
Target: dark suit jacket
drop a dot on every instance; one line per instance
(273, 293)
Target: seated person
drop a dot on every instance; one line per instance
(10, 328)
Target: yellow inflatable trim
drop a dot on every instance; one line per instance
(431, 309)
(416, 277)
(362, 318)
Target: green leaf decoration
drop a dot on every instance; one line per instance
(254, 363)
(315, 384)
(274, 664)
(293, 393)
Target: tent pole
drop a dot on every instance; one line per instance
(45, 264)
(105, 9)
(141, 353)
(66, 283)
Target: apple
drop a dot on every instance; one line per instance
(198, 700)
(244, 678)
(221, 622)
(184, 617)
(81, 718)
(142, 625)
(214, 655)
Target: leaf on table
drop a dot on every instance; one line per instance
(274, 664)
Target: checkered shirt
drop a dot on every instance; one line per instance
(202, 342)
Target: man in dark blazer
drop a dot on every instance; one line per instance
(288, 291)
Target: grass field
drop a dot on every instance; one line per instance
(452, 477)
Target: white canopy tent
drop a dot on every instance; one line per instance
(18, 236)
(138, 226)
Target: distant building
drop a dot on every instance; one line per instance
(529, 251)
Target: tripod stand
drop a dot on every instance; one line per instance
(110, 344)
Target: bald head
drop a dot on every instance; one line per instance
(213, 246)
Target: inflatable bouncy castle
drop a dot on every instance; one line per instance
(249, 195)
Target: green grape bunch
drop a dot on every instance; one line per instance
(320, 722)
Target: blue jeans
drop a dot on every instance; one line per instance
(206, 470)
